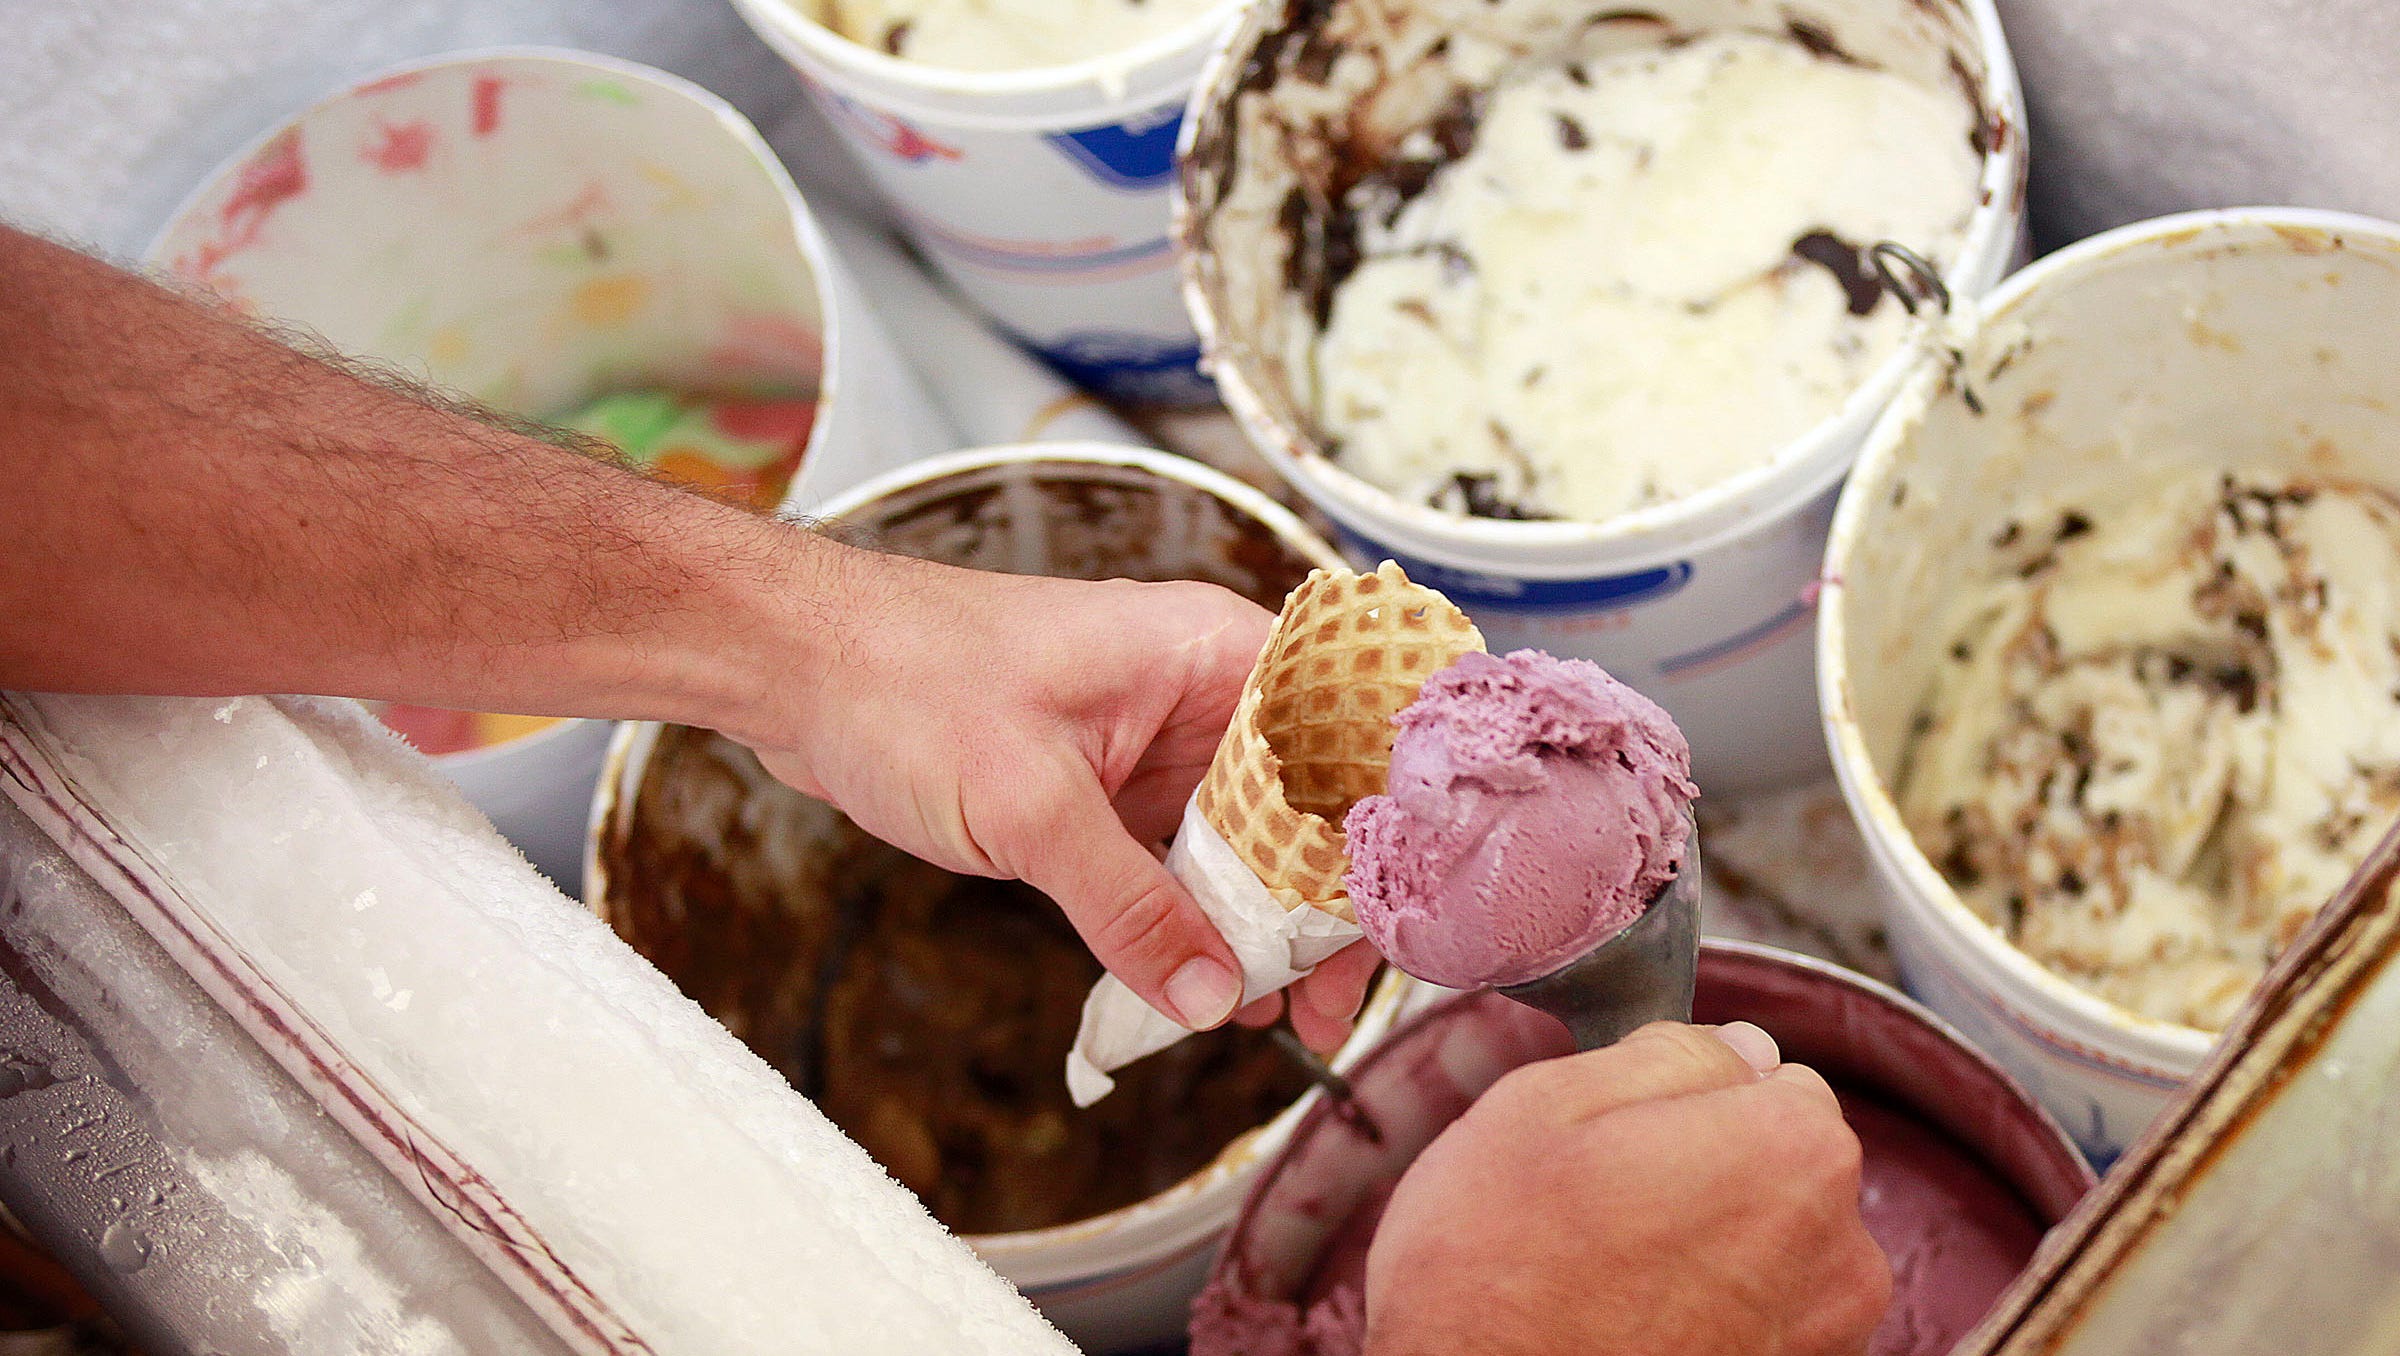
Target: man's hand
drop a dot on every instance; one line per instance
(1662, 1196)
(1047, 730)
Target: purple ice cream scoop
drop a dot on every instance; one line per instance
(1535, 807)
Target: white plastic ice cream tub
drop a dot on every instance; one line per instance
(2243, 338)
(1042, 193)
(1702, 603)
(683, 805)
(534, 228)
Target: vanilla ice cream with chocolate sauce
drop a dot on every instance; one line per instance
(2168, 732)
(1610, 281)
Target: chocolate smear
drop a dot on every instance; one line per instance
(1848, 265)
(1325, 243)
(1819, 41)
(1479, 494)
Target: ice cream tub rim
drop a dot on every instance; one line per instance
(2170, 1049)
(1800, 470)
(1094, 91)
(807, 237)
(1256, 503)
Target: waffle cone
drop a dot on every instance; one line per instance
(1313, 731)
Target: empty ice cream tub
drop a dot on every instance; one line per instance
(1964, 1172)
(535, 229)
(2105, 650)
(1029, 152)
(931, 1014)
(1616, 433)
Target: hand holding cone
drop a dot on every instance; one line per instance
(1261, 847)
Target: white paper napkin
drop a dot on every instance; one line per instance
(1275, 946)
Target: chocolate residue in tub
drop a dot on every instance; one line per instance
(1987, 133)
(1847, 263)
(1323, 249)
(942, 1047)
(1819, 41)
(1367, 186)
(1098, 529)
(1477, 494)
(1318, 52)
(1209, 169)
(928, 1014)
(1302, 22)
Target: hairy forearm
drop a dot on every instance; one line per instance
(191, 507)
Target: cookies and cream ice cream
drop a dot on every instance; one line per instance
(1608, 283)
(1004, 35)
(2167, 732)
(1535, 807)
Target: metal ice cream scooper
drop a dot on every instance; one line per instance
(1641, 975)
(1535, 836)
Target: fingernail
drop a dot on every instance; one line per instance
(1754, 1045)
(1203, 991)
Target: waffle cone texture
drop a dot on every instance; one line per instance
(1313, 731)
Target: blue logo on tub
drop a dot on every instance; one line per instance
(1131, 366)
(1135, 156)
(1506, 594)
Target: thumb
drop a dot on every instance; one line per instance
(1137, 919)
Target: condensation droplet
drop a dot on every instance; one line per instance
(124, 1247)
(19, 1074)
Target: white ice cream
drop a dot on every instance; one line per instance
(1599, 306)
(1005, 35)
(2167, 737)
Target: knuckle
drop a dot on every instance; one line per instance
(1865, 1293)
(1028, 825)
(1522, 1088)
(1141, 924)
(1801, 1097)
(1817, 1130)
(1684, 1049)
(1825, 1156)
(1525, 1096)
(1009, 822)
